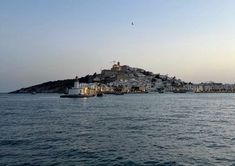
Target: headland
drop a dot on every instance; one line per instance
(125, 79)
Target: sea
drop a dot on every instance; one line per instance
(127, 130)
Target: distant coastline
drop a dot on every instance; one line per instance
(126, 79)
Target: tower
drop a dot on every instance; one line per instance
(116, 67)
(76, 82)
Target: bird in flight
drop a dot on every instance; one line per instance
(132, 23)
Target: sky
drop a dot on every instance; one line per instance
(50, 40)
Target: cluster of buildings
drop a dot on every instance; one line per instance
(212, 87)
(126, 79)
(138, 80)
(85, 89)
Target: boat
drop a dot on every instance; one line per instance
(180, 91)
(76, 96)
(118, 93)
(114, 93)
(99, 94)
(138, 92)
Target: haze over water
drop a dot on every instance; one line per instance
(141, 129)
(49, 40)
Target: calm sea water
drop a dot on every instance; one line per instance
(141, 129)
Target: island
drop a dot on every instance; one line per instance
(120, 79)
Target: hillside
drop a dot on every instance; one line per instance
(121, 76)
(59, 86)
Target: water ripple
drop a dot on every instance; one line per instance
(140, 130)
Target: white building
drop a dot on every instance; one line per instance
(77, 89)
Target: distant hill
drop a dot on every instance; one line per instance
(117, 76)
(58, 86)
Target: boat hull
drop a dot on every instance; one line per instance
(100, 95)
(76, 96)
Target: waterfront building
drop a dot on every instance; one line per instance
(83, 88)
(77, 88)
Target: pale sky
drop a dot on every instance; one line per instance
(46, 40)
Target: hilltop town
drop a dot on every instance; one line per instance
(131, 80)
(126, 79)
